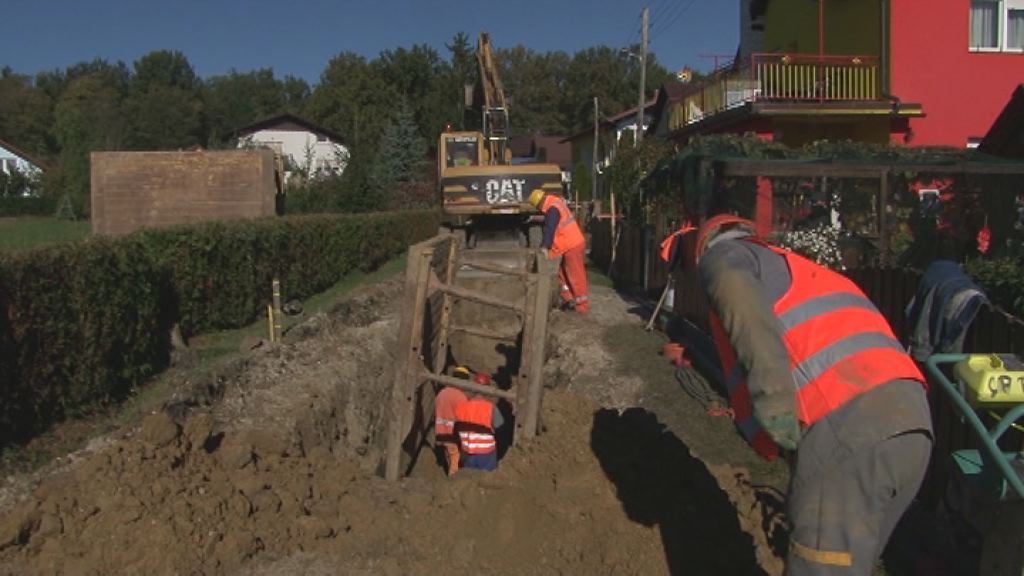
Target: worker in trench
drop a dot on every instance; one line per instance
(563, 238)
(445, 439)
(811, 366)
(476, 422)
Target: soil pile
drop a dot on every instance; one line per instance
(270, 467)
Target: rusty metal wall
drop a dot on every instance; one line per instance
(132, 190)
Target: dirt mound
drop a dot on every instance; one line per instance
(270, 467)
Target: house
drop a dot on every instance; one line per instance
(611, 131)
(307, 150)
(1006, 136)
(13, 159)
(914, 71)
(543, 149)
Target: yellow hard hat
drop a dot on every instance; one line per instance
(536, 196)
(462, 372)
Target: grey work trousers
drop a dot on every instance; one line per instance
(844, 503)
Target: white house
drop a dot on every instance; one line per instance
(307, 149)
(13, 159)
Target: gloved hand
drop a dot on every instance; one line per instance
(783, 428)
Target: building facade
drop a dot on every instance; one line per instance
(307, 150)
(914, 72)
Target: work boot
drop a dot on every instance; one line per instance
(567, 306)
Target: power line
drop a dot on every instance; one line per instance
(673, 21)
(661, 18)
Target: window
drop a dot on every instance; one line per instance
(997, 25)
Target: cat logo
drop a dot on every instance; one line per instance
(505, 190)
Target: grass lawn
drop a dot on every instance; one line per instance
(26, 232)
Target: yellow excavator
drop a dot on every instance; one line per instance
(483, 193)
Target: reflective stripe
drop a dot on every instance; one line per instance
(826, 557)
(582, 298)
(444, 422)
(822, 360)
(823, 305)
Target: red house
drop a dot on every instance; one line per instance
(923, 72)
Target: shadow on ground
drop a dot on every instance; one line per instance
(661, 484)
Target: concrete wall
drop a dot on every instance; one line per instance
(132, 190)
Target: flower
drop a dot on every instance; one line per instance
(820, 244)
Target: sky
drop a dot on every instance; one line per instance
(299, 37)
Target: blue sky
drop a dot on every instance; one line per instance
(299, 37)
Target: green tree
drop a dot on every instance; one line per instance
(351, 99)
(26, 114)
(237, 99)
(164, 103)
(534, 85)
(462, 71)
(400, 157)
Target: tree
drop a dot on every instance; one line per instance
(237, 99)
(26, 114)
(400, 157)
(164, 104)
(462, 71)
(351, 99)
(534, 84)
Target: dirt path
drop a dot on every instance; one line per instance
(270, 467)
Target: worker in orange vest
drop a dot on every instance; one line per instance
(476, 421)
(448, 398)
(671, 246)
(563, 237)
(811, 365)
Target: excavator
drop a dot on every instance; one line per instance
(483, 194)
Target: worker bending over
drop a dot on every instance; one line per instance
(811, 365)
(563, 237)
(444, 420)
(476, 421)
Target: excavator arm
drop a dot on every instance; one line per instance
(494, 108)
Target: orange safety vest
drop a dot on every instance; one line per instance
(473, 422)
(666, 244)
(568, 234)
(839, 345)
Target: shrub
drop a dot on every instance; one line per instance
(84, 323)
(27, 206)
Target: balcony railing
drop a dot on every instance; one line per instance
(780, 78)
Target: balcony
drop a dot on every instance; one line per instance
(780, 78)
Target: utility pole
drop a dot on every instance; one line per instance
(643, 79)
(593, 168)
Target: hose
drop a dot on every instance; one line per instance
(699, 389)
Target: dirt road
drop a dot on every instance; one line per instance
(270, 466)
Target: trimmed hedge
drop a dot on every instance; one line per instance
(15, 206)
(81, 325)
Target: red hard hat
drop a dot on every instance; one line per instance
(712, 226)
(482, 378)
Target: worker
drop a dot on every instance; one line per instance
(476, 421)
(447, 400)
(563, 238)
(811, 365)
(462, 158)
(671, 246)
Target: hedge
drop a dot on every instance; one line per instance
(32, 206)
(81, 325)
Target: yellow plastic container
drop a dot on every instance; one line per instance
(991, 379)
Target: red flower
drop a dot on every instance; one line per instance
(984, 238)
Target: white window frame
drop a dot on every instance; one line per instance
(1002, 28)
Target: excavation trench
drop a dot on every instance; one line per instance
(271, 466)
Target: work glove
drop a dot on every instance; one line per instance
(783, 428)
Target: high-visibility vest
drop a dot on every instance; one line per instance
(568, 234)
(444, 410)
(666, 244)
(474, 424)
(839, 345)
